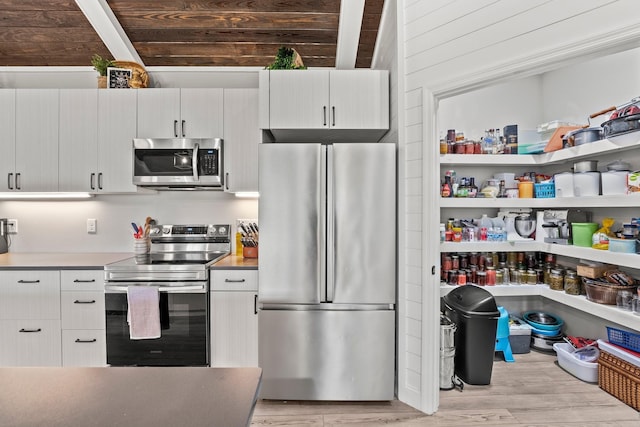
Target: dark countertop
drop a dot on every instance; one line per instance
(128, 396)
(60, 260)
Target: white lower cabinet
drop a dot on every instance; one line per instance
(83, 322)
(234, 318)
(30, 342)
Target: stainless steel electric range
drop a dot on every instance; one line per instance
(178, 264)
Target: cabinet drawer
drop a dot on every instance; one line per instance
(234, 280)
(82, 280)
(30, 295)
(82, 309)
(30, 343)
(82, 347)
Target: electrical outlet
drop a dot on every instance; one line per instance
(12, 226)
(92, 225)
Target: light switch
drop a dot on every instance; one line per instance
(92, 225)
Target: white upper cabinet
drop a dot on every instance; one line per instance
(78, 151)
(117, 124)
(36, 164)
(241, 138)
(327, 105)
(96, 132)
(7, 138)
(180, 113)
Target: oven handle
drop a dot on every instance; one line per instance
(114, 289)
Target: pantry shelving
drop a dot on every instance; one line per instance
(619, 144)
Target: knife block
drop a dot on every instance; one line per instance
(250, 252)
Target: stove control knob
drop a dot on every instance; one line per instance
(154, 231)
(166, 230)
(222, 230)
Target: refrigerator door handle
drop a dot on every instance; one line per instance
(330, 232)
(322, 228)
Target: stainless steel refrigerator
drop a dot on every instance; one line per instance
(327, 271)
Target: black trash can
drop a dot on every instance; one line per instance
(474, 312)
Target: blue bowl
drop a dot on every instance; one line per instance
(543, 321)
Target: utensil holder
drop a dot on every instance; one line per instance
(141, 246)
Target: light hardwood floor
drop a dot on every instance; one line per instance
(532, 391)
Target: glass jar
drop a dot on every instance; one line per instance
(522, 275)
(571, 283)
(462, 277)
(455, 262)
(474, 273)
(500, 276)
(506, 279)
(515, 276)
(473, 258)
(491, 276)
(464, 261)
(443, 146)
(447, 264)
(453, 277)
(459, 148)
(531, 277)
(539, 276)
(512, 258)
(468, 147)
(556, 280)
(547, 273)
(482, 278)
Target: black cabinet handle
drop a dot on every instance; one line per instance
(84, 281)
(18, 181)
(175, 128)
(226, 180)
(255, 304)
(30, 330)
(84, 302)
(333, 116)
(92, 180)
(28, 281)
(100, 181)
(78, 340)
(324, 115)
(183, 128)
(10, 181)
(234, 280)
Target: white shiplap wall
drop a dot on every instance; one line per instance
(450, 47)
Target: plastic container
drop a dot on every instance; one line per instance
(625, 339)
(582, 233)
(546, 190)
(474, 312)
(564, 184)
(519, 336)
(525, 189)
(626, 246)
(586, 371)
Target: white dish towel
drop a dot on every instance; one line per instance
(143, 315)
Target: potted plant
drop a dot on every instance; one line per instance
(286, 59)
(101, 64)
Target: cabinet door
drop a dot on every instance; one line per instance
(359, 99)
(117, 124)
(299, 99)
(241, 138)
(201, 112)
(7, 138)
(234, 329)
(30, 294)
(30, 343)
(78, 153)
(84, 348)
(37, 139)
(158, 113)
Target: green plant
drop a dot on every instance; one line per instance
(286, 59)
(100, 64)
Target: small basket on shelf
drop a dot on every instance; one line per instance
(603, 292)
(545, 190)
(625, 339)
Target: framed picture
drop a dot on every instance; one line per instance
(118, 78)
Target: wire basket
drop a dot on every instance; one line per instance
(545, 190)
(625, 339)
(603, 292)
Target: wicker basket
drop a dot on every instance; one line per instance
(139, 77)
(619, 378)
(603, 292)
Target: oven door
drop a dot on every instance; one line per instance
(177, 162)
(184, 320)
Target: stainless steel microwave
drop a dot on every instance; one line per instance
(173, 164)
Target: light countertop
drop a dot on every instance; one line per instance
(233, 261)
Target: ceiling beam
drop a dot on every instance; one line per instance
(103, 20)
(351, 13)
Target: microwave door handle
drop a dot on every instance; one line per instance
(194, 162)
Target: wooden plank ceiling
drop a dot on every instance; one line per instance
(183, 32)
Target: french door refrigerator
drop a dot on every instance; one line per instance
(327, 271)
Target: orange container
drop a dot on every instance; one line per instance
(525, 189)
(250, 252)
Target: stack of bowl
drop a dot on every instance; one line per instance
(546, 330)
